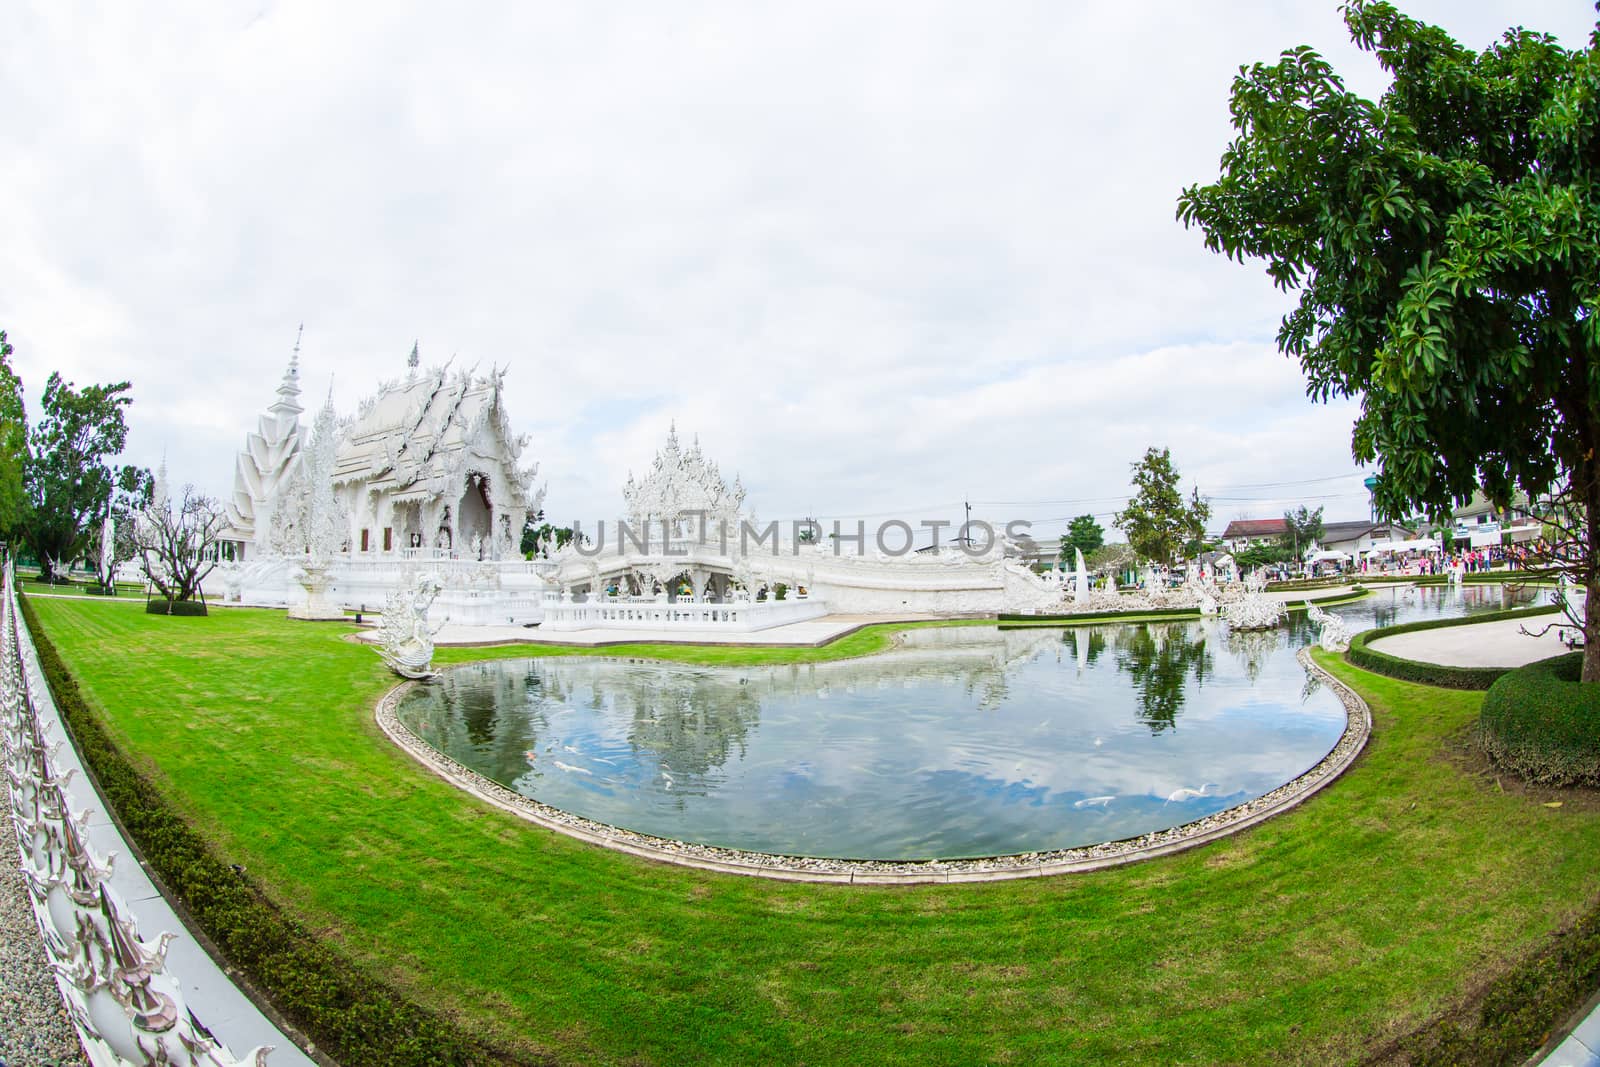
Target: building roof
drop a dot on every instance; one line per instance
(683, 484)
(1482, 505)
(1254, 528)
(414, 438)
(1349, 531)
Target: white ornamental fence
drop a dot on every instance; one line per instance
(128, 1008)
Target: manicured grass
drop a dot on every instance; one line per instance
(1317, 937)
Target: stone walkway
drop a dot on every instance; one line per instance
(34, 1028)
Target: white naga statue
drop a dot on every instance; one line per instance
(405, 640)
(1333, 630)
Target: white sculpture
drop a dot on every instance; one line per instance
(1081, 593)
(405, 638)
(266, 466)
(108, 552)
(320, 527)
(1333, 631)
(1255, 610)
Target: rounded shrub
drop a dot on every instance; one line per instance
(158, 606)
(1543, 723)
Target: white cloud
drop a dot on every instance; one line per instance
(884, 257)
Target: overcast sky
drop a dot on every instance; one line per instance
(881, 258)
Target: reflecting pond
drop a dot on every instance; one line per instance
(962, 741)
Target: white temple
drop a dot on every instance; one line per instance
(425, 475)
(428, 477)
(688, 550)
(431, 463)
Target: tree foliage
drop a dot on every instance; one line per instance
(1083, 534)
(69, 479)
(13, 442)
(1302, 528)
(1157, 520)
(1445, 244)
(540, 537)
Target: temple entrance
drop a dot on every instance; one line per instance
(408, 524)
(474, 518)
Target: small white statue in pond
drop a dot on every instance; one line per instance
(1255, 610)
(405, 640)
(1334, 633)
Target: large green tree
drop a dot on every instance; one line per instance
(1084, 534)
(1157, 520)
(13, 442)
(1302, 528)
(1445, 244)
(69, 480)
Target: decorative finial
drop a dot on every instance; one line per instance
(415, 359)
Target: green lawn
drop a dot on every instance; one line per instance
(1315, 937)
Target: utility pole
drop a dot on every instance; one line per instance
(966, 527)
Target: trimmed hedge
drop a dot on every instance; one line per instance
(1521, 1008)
(1543, 723)
(354, 1017)
(1437, 674)
(158, 606)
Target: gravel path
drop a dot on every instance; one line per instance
(34, 1030)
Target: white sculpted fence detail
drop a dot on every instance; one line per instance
(127, 1007)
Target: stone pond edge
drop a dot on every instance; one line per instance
(1358, 728)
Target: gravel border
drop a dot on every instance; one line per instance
(1358, 727)
(34, 1028)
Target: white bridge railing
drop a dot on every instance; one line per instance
(687, 613)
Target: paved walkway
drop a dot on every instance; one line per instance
(1479, 644)
(808, 634)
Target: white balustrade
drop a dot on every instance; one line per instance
(685, 613)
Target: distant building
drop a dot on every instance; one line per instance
(1243, 533)
(1359, 535)
(1481, 523)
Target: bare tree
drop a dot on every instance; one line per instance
(177, 542)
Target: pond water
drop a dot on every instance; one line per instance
(964, 741)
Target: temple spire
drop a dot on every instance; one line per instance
(413, 361)
(288, 402)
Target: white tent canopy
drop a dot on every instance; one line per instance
(1326, 555)
(1416, 544)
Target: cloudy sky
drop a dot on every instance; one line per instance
(881, 258)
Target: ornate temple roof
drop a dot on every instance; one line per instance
(416, 437)
(679, 484)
